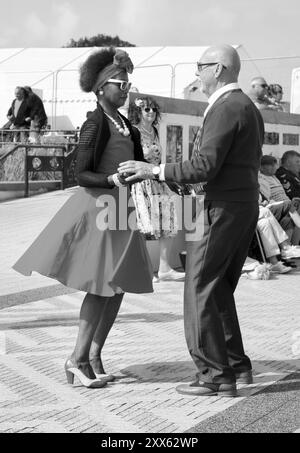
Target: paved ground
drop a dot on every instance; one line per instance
(146, 349)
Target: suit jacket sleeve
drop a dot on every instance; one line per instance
(86, 177)
(10, 111)
(218, 133)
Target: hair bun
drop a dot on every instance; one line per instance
(122, 60)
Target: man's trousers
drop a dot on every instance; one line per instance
(213, 268)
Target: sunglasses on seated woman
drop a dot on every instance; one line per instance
(148, 109)
(123, 85)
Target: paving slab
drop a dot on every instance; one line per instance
(146, 349)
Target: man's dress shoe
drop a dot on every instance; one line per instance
(200, 388)
(245, 377)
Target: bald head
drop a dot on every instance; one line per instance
(258, 81)
(227, 56)
(259, 87)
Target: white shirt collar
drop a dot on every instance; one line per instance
(215, 96)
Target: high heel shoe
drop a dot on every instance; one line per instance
(73, 370)
(106, 377)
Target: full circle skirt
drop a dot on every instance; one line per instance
(76, 250)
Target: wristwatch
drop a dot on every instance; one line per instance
(156, 172)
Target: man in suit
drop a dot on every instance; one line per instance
(19, 114)
(228, 161)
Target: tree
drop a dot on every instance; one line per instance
(99, 41)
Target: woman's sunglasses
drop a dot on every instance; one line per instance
(148, 109)
(123, 85)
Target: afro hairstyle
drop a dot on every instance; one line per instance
(90, 69)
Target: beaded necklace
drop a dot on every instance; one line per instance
(147, 137)
(145, 131)
(123, 130)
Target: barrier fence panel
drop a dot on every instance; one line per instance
(37, 162)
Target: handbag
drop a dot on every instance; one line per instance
(185, 189)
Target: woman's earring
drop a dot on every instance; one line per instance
(100, 92)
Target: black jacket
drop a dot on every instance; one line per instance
(37, 110)
(90, 149)
(23, 112)
(290, 182)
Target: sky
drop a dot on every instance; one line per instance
(264, 27)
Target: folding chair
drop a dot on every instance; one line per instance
(256, 249)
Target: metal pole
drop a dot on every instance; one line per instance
(175, 66)
(159, 66)
(53, 97)
(63, 179)
(173, 82)
(26, 194)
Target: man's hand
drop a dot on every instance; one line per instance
(136, 169)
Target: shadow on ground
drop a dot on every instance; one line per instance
(70, 320)
(155, 372)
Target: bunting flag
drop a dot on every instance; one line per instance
(67, 100)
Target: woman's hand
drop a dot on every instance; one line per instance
(117, 180)
(122, 179)
(136, 169)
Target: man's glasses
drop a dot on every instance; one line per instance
(263, 85)
(148, 109)
(200, 66)
(123, 85)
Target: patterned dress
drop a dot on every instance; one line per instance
(155, 203)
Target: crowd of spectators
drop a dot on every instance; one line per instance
(279, 216)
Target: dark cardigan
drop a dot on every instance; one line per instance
(90, 150)
(230, 150)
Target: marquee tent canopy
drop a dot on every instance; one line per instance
(164, 71)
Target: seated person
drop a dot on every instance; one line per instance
(259, 94)
(270, 186)
(289, 173)
(273, 195)
(275, 241)
(276, 93)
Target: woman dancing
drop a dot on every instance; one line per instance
(79, 247)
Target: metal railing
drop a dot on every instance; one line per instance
(56, 134)
(51, 163)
